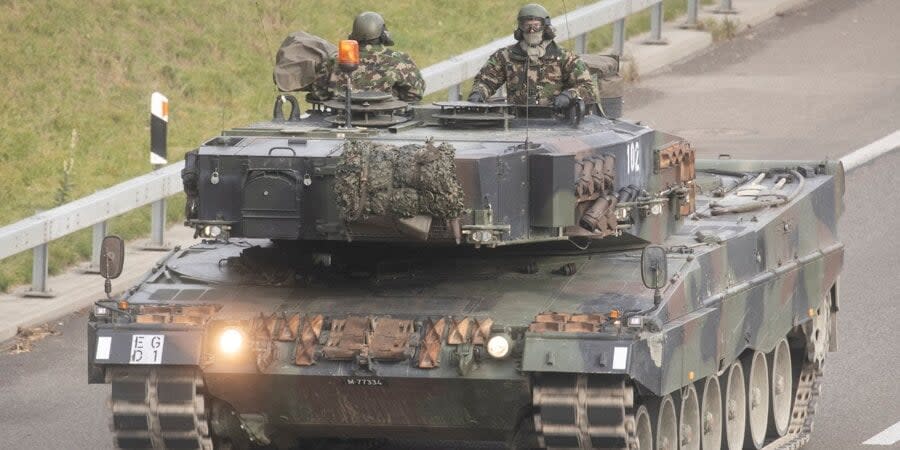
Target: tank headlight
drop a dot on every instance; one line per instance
(212, 231)
(230, 341)
(100, 311)
(498, 346)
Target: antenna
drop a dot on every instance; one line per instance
(259, 12)
(262, 25)
(527, 97)
(566, 18)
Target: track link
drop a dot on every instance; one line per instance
(802, 414)
(158, 408)
(579, 412)
(584, 412)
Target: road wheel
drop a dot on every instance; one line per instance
(689, 419)
(757, 379)
(643, 429)
(710, 413)
(781, 383)
(665, 423)
(734, 407)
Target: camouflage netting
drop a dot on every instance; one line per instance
(376, 179)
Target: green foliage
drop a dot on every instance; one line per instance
(91, 67)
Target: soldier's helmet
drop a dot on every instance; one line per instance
(369, 28)
(534, 11)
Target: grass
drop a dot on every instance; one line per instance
(77, 79)
(721, 30)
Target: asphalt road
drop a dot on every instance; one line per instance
(819, 82)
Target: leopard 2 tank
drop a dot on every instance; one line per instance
(463, 271)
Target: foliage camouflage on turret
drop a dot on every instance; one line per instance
(376, 179)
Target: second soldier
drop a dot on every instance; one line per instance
(381, 68)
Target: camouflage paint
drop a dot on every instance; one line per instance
(744, 283)
(559, 70)
(380, 69)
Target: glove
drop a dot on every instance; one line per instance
(476, 97)
(562, 101)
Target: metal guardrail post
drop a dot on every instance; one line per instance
(39, 270)
(693, 11)
(158, 225)
(453, 93)
(656, 20)
(99, 232)
(619, 36)
(725, 8)
(581, 43)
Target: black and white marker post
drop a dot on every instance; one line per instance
(159, 121)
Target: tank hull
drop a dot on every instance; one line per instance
(526, 319)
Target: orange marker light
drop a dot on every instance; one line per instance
(614, 314)
(123, 304)
(348, 55)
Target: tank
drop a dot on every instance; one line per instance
(489, 272)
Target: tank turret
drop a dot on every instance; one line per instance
(443, 174)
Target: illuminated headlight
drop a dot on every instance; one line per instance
(635, 322)
(230, 341)
(482, 237)
(100, 311)
(212, 231)
(498, 346)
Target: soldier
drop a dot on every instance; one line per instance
(380, 68)
(536, 70)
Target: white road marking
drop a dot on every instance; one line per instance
(863, 155)
(887, 437)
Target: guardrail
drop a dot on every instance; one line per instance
(37, 231)
(94, 210)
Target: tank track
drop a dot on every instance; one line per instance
(800, 428)
(580, 412)
(158, 408)
(584, 412)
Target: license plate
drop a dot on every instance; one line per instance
(365, 382)
(147, 348)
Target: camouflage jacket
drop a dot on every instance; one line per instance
(380, 69)
(559, 70)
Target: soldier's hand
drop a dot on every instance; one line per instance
(562, 102)
(476, 97)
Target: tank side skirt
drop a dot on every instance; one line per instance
(682, 346)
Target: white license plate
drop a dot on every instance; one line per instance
(147, 348)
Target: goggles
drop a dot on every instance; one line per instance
(531, 25)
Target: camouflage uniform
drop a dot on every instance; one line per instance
(559, 70)
(380, 69)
